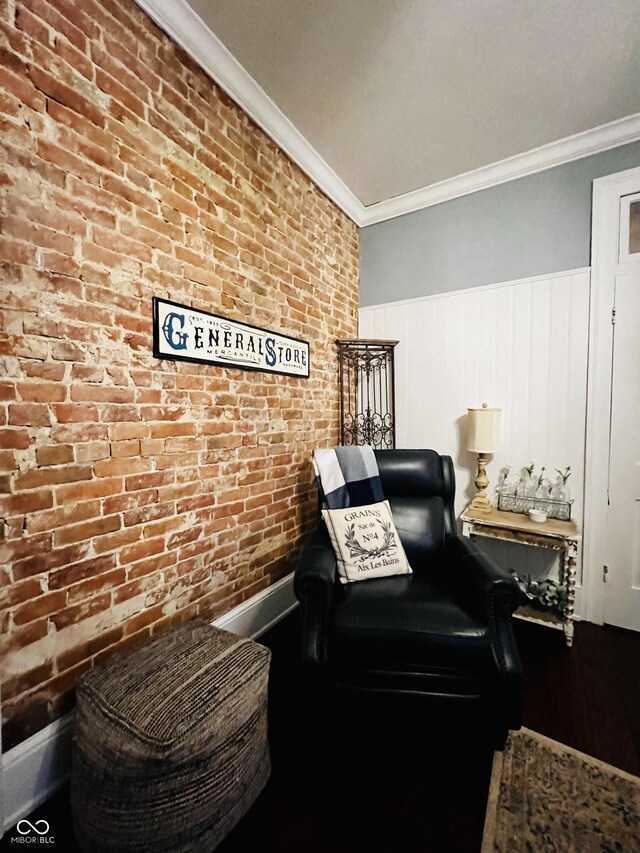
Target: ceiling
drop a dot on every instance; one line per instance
(395, 97)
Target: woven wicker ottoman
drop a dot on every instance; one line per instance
(170, 743)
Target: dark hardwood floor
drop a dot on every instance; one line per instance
(587, 697)
(387, 778)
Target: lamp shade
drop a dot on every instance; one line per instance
(483, 430)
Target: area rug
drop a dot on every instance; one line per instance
(546, 797)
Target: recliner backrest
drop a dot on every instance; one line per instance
(420, 487)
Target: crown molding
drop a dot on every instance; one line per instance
(180, 21)
(557, 153)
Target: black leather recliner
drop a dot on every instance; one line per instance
(443, 632)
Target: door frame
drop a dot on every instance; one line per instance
(605, 229)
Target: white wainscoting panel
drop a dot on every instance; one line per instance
(520, 345)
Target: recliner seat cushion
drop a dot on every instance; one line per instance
(403, 621)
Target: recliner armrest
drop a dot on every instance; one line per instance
(314, 583)
(477, 571)
(498, 594)
(317, 562)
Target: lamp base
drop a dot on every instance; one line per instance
(481, 504)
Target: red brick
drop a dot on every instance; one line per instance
(32, 26)
(39, 235)
(70, 97)
(79, 434)
(66, 160)
(74, 413)
(65, 351)
(88, 588)
(23, 636)
(86, 491)
(7, 391)
(113, 541)
(90, 648)
(92, 451)
(39, 477)
(29, 414)
(51, 217)
(57, 263)
(31, 502)
(81, 571)
(120, 467)
(116, 412)
(140, 550)
(122, 432)
(76, 59)
(82, 532)
(163, 526)
(56, 19)
(101, 394)
(7, 461)
(20, 683)
(128, 448)
(23, 89)
(135, 587)
(151, 565)
(15, 439)
(45, 370)
(24, 547)
(41, 562)
(117, 187)
(145, 481)
(130, 500)
(16, 593)
(19, 253)
(152, 447)
(87, 373)
(163, 430)
(43, 605)
(152, 512)
(62, 516)
(73, 615)
(58, 454)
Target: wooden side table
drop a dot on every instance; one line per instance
(561, 536)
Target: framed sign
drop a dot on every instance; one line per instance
(181, 333)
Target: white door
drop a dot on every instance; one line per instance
(614, 514)
(622, 592)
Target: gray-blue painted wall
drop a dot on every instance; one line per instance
(532, 226)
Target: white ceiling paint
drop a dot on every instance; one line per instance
(414, 101)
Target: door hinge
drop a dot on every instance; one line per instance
(613, 316)
(605, 572)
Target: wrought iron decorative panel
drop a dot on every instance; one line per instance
(367, 393)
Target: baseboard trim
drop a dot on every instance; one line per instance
(260, 612)
(35, 769)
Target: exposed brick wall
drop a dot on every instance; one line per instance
(136, 491)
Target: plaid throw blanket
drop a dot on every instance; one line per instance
(347, 476)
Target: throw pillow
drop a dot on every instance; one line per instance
(366, 542)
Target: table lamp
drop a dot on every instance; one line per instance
(483, 437)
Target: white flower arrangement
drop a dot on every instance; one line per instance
(522, 489)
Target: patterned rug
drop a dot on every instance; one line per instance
(546, 797)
